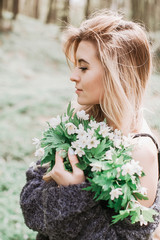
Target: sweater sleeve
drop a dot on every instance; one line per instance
(127, 231)
(49, 209)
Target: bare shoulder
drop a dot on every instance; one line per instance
(144, 149)
(145, 152)
(145, 146)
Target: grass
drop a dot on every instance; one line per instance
(35, 86)
(12, 179)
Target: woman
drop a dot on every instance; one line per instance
(112, 65)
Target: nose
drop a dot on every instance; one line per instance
(75, 76)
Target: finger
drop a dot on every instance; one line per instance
(59, 161)
(47, 177)
(74, 160)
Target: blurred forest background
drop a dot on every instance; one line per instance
(35, 86)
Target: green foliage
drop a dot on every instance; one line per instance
(12, 179)
(114, 180)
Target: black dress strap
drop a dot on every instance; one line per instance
(155, 142)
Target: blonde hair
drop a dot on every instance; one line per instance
(124, 51)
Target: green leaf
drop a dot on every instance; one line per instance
(126, 194)
(54, 140)
(119, 161)
(118, 204)
(67, 164)
(140, 196)
(111, 174)
(82, 165)
(132, 185)
(123, 214)
(59, 131)
(69, 109)
(100, 148)
(64, 146)
(48, 158)
(148, 214)
(107, 166)
(101, 180)
(76, 121)
(134, 217)
(102, 196)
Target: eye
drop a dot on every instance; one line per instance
(83, 69)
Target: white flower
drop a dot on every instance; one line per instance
(82, 115)
(128, 168)
(90, 132)
(142, 221)
(80, 127)
(117, 141)
(118, 172)
(102, 125)
(75, 144)
(117, 132)
(115, 193)
(79, 152)
(111, 136)
(71, 128)
(36, 142)
(92, 142)
(127, 141)
(133, 178)
(82, 142)
(132, 168)
(81, 132)
(97, 166)
(39, 152)
(108, 154)
(65, 119)
(137, 167)
(142, 190)
(54, 122)
(104, 132)
(93, 124)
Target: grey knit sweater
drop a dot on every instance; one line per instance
(70, 213)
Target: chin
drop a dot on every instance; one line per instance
(82, 102)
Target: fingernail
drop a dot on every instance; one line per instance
(71, 152)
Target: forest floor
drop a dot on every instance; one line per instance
(35, 86)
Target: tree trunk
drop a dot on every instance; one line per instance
(136, 11)
(36, 9)
(54, 11)
(5, 4)
(15, 8)
(49, 13)
(65, 16)
(87, 8)
(1, 8)
(108, 3)
(146, 16)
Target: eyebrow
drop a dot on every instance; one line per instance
(82, 60)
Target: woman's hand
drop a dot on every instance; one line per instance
(63, 177)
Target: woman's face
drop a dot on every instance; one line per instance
(88, 74)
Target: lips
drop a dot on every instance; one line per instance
(78, 89)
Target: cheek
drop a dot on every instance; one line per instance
(96, 83)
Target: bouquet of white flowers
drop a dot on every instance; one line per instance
(104, 156)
